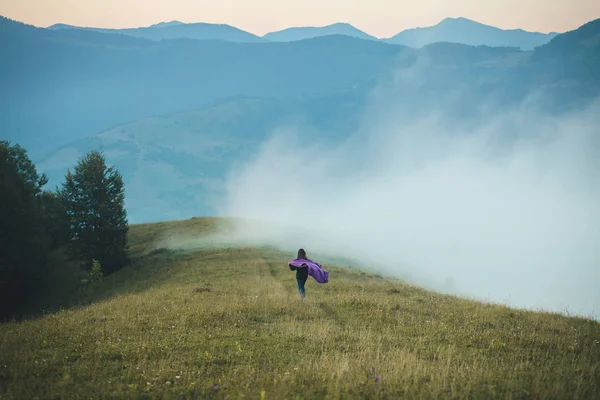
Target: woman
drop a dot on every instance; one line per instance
(305, 267)
(301, 272)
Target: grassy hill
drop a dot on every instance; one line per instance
(214, 322)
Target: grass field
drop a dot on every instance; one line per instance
(228, 323)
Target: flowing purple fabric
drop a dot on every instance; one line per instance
(314, 269)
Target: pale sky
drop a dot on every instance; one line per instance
(380, 18)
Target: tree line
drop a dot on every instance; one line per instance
(86, 216)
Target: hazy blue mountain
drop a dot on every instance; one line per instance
(178, 30)
(65, 84)
(309, 32)
(57, 86)
(175, 115)
(465, 31)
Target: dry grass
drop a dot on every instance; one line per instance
(175, 325)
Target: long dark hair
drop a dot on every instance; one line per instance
(302, 254)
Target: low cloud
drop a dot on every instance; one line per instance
(504, 208)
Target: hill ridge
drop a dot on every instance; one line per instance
(295, 33)
(467, 31)
(527, 39)
(176, 30)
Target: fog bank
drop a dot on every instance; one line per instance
(504, 209)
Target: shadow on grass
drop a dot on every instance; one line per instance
(67, 287)
(63, 282)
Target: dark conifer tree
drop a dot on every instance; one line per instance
(93, 198)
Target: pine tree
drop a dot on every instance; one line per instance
(93, 198)
(55, 220)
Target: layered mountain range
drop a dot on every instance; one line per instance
(175, 112)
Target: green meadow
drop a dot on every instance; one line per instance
(227, 323)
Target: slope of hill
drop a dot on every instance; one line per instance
(175, 166)
(309, 32)
(177, 30)
(465, 31)
(568, 66)
(573, 46)
(214, 322)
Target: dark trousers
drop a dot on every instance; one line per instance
(301, 290)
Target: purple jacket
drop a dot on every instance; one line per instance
(315, 270)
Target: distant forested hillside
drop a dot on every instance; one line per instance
(66, 84)
(61, 85)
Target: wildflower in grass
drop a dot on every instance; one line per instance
(377, 378)
(215, 387)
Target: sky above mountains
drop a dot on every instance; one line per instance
(380, 18)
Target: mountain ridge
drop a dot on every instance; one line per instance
(450, 29)
(176, 30)
(178, 75)
(466, 31)
(309, 32)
